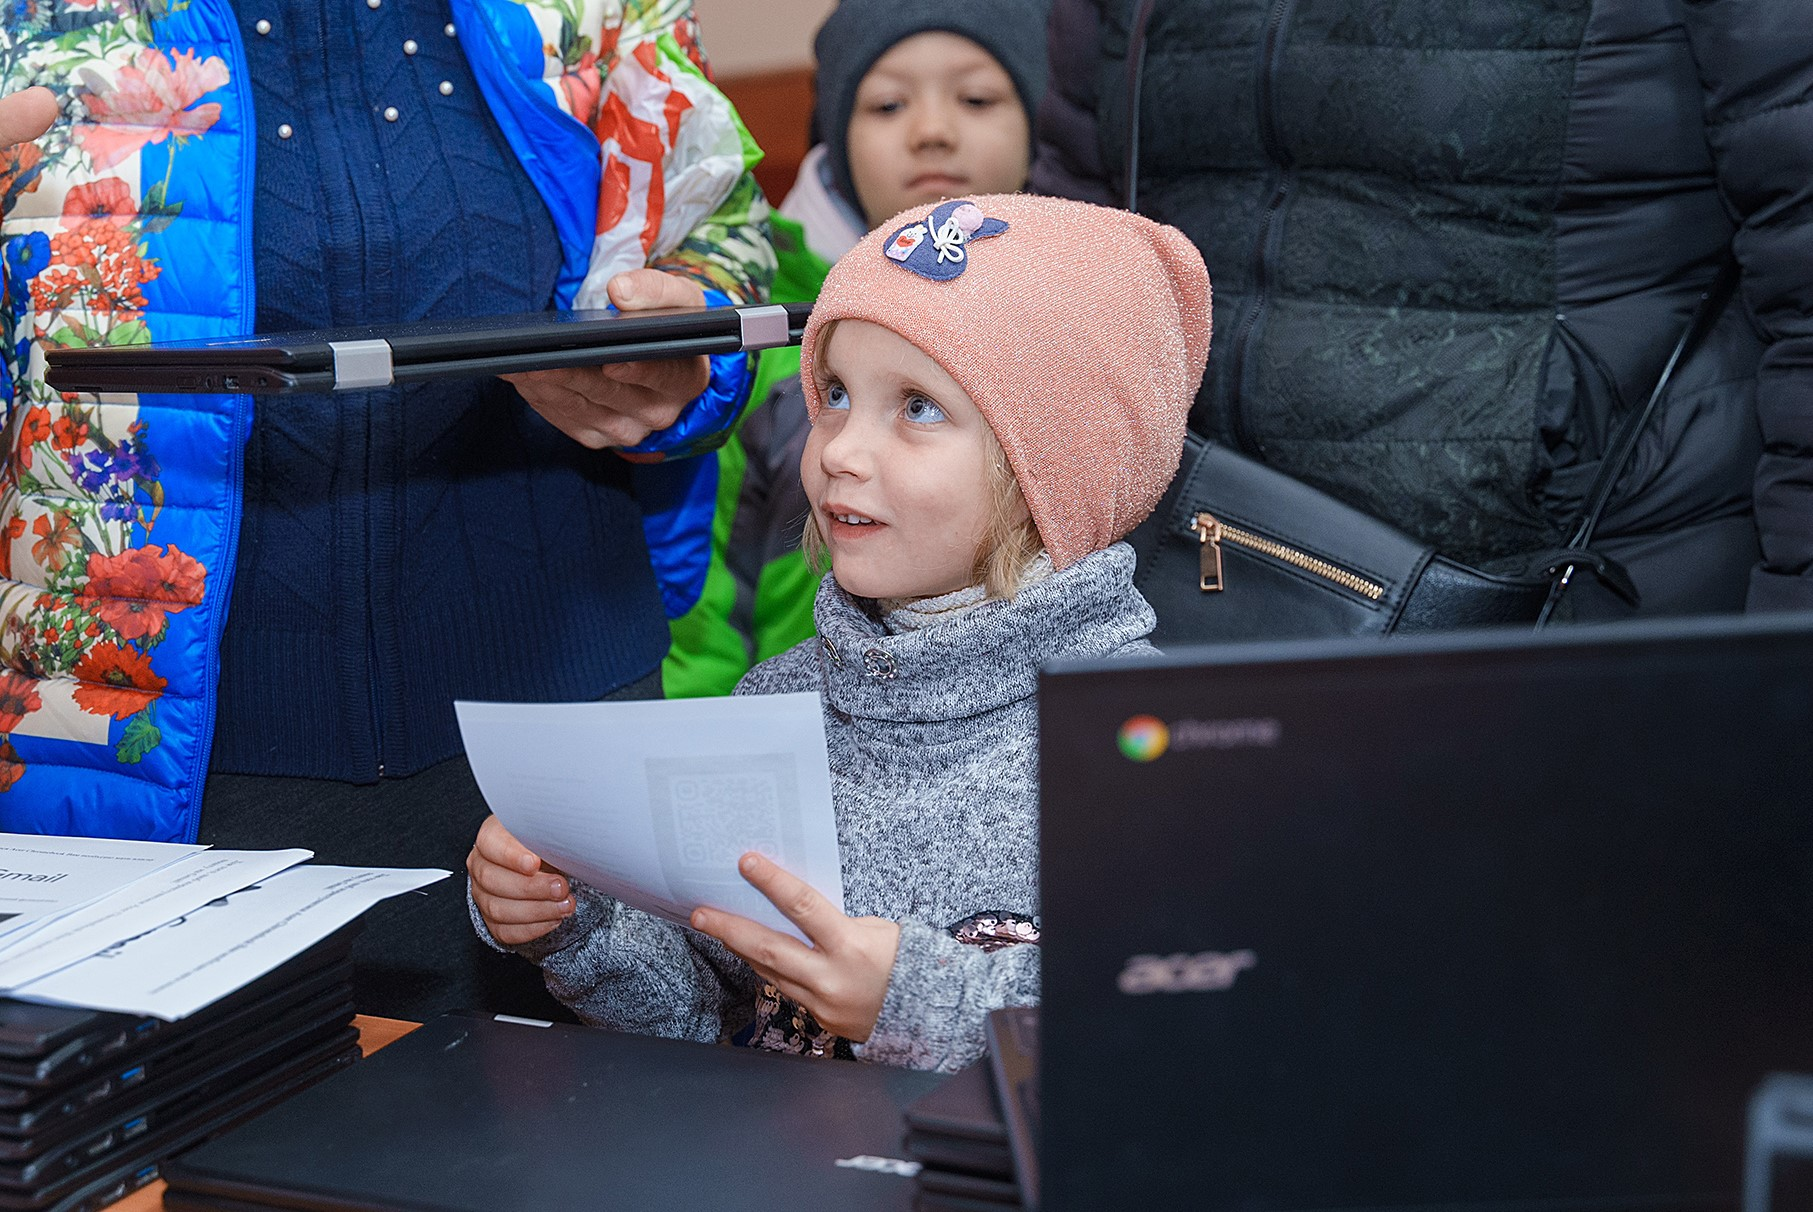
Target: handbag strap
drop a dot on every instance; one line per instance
(1599, 498)
(1136, 74)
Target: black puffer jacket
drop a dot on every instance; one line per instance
(1453, 242)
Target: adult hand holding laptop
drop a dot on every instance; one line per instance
(620, 404)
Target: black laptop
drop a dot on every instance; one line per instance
(91, 1102)
(1507, 922)
(490, 1116)
(378, 356)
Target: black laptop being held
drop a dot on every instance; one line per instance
(361, 358)
(1498, 922)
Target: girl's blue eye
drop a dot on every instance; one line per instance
(836, 396)
(923, 411)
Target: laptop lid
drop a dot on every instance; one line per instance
(1497, 921)
(471, 1113)
(379, 355)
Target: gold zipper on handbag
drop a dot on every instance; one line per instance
(1213, 533)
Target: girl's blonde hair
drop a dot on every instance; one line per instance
(1008, 548)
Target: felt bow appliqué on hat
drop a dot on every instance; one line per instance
(938, 247)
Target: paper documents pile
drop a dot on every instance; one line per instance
(161, 928)
(155, 994)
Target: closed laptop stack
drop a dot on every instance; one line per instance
(969, 1158)
(91, 1103)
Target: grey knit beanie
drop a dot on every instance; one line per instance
(858, 32)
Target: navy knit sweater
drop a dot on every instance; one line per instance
(407, 547)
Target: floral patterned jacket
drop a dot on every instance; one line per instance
(131, 221)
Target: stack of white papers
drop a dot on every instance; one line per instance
(42, 878)
(162, 929)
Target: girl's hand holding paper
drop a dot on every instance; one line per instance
(842, 978)
(520, 897)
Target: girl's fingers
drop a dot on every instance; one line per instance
(499, 846)
(517, 935)
(803, 905)
(543, 888)
(778, 957)
(509, 912)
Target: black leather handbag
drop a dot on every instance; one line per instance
(1240, 551)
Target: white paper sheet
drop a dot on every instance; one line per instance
(654, 802)
(43, 876)
(145, 904)
(178, 968)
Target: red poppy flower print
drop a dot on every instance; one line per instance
(131, 618)
(137, 588)
(108, 198)
(34, 428)
(67, 434)
(18, 699)
(157, 574)
(14, 529)
(115, 680)
(583, 85)
(10, 766)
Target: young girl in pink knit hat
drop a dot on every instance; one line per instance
(998, 388)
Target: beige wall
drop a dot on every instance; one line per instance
(745, 37)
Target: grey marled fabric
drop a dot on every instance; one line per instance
(933, 743)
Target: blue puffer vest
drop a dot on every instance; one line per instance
(121, 514)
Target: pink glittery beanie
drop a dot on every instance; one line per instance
(1080, 332)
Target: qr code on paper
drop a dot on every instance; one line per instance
(709, 812)
(719, 817)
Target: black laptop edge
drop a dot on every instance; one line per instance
(379, 356)
(1623, 633)
(111, 1179)
(197, 1061)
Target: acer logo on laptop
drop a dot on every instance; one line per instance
(1203, 972)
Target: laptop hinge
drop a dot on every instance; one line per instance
(765, 327)
(361, 364)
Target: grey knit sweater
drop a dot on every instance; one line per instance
(932, 730)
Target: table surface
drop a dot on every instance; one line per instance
(374, 1033)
